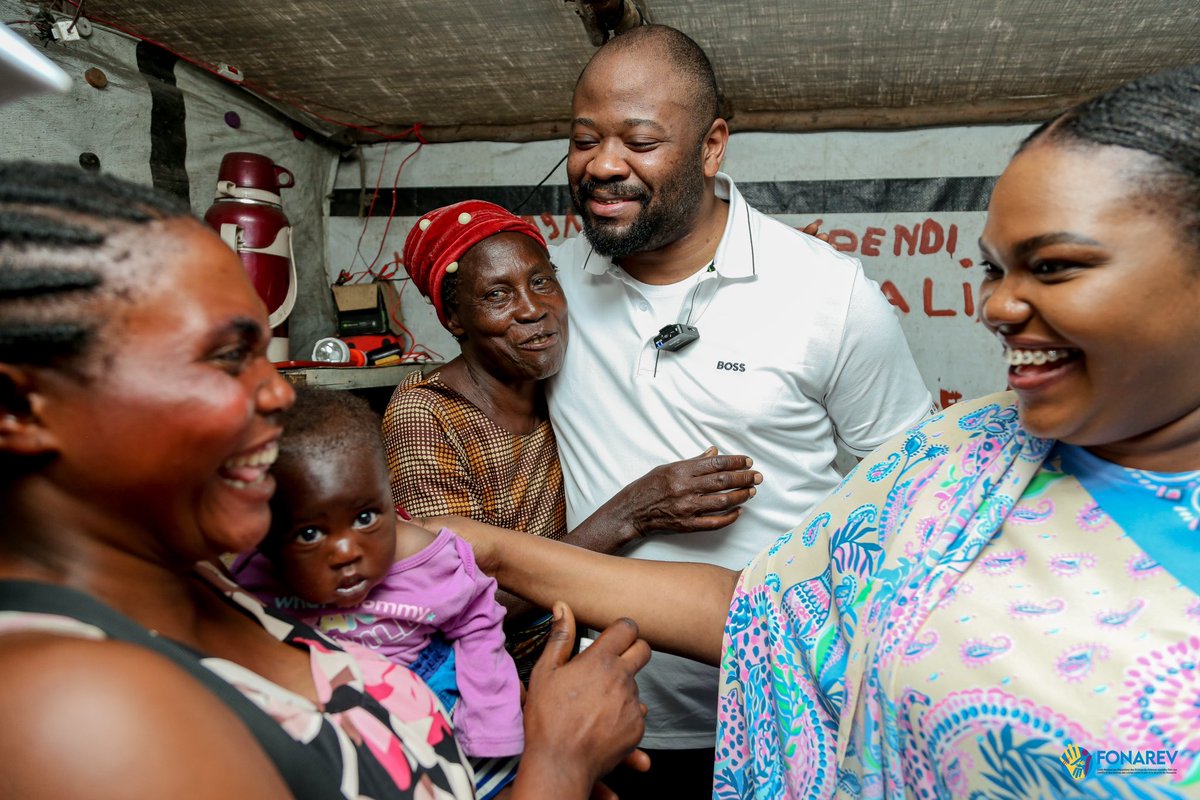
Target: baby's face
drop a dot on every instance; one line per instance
(338, 527)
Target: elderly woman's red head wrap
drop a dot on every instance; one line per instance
(441, 237)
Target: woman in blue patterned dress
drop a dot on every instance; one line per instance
(1005, 601)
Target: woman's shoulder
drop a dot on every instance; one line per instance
(423, 392)
(986, 411)
(63, 666)
(420, 383)
(423, 397)
(106, 700)
(993, 415)
(884, 485)
(996, 400)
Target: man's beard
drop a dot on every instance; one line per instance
(665, 217)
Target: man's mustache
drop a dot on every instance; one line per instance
(611, 190)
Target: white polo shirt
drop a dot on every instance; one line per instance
(798, 351)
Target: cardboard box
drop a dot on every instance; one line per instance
(365, 308)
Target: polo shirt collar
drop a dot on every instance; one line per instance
(735, 253)
(735, 240)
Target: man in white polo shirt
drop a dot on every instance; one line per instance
(769, 343)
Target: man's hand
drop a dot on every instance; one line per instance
(582, 716)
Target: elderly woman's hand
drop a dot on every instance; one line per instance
(697, 494)
(582, 716)
(814, 229)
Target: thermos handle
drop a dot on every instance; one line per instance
(231, 189)
(280, 172)
(229, 235)
(289, 302)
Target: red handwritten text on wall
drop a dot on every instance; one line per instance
(925, 238)
(550, 226)
(939, 297)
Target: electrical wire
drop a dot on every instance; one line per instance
(371, 208)
(414, 350)
(425, 352)
(692, 307)
(75, 19)
(529, 196)
(43, 23)
(392, 213)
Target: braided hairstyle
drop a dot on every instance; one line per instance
(54, 222)
(1158, 115)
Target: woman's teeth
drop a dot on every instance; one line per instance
(263, 457)
(239, 484)
(246, 470)
(1017, 358)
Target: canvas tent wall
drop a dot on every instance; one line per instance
(908, 202)
(485, 70)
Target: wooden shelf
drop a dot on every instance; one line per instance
(351, 378)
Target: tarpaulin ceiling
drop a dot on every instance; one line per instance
(504, 69)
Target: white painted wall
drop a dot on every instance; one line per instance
(953, 351)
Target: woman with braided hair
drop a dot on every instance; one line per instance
(139, 417)
(1004, 602)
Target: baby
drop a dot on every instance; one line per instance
(339, 558)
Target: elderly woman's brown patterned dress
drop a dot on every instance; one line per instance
(446, 457)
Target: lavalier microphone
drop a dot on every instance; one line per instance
(676, 336)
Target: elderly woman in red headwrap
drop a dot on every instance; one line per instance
(473, 439)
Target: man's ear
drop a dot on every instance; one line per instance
(22, 431)
(714, 146)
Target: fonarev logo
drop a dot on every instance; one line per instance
(1077, 761)
(1081, 763)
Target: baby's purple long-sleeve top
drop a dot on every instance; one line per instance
(437, 589)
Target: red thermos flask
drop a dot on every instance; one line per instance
(248, 214)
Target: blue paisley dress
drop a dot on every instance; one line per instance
(974, 613)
